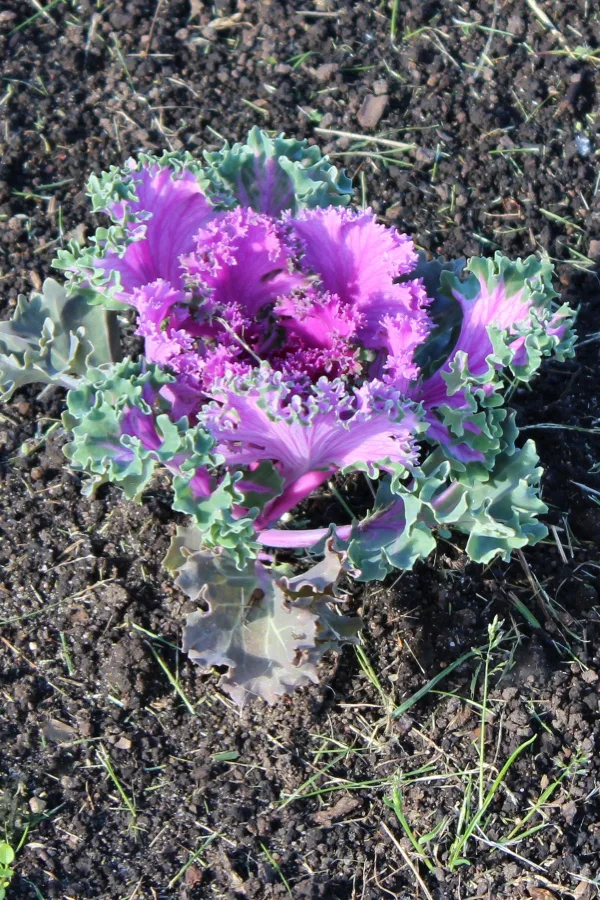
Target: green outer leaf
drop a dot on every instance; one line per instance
(496, 429)
(502, 513)
(93, 416)
(214, 517)
(272, 175)
(391, 536)
(499, 515)
(531, 280)
(80, 270)
(444, 311)
(262, 485)
(54, 338)
(99, 448)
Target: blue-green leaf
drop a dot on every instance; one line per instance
(54, 338)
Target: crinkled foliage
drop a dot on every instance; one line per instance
(499, 514)
(55, 338)
(267, 629)
(273, 175)
(289, 342)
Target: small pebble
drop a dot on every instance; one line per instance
(326, 72)
(594, 249)
(583, 144)
(372, 110)
(37, 805)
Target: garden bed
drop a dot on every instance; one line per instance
(130, 774)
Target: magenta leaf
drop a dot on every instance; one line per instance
(241, 260)
(365, 429)
(160, 223)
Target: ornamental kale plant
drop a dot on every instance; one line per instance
(290, 342)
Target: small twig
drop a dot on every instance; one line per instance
(551, 426)
(586, 488)
(485, 51)
(151, 32)
(408, 861)
(365, 137)
(90, 35)
(503, 849)
(239, 339)
(107, 765)
(191, 859)
(173, 681)
(541, 16)
(314, 14)
(43, 11)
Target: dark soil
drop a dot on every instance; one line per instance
(82, 87)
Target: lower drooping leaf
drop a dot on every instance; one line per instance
(53, 339)
(318, 589)
(269, 630)
(249, 627)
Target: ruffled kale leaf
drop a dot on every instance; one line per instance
(123, 429)
(275, 174)
(252, 421)
(493, 319)
(500, 313)
(53, 338)
(498, 514)
(156, 205)
(117, 437)
(267, 628)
